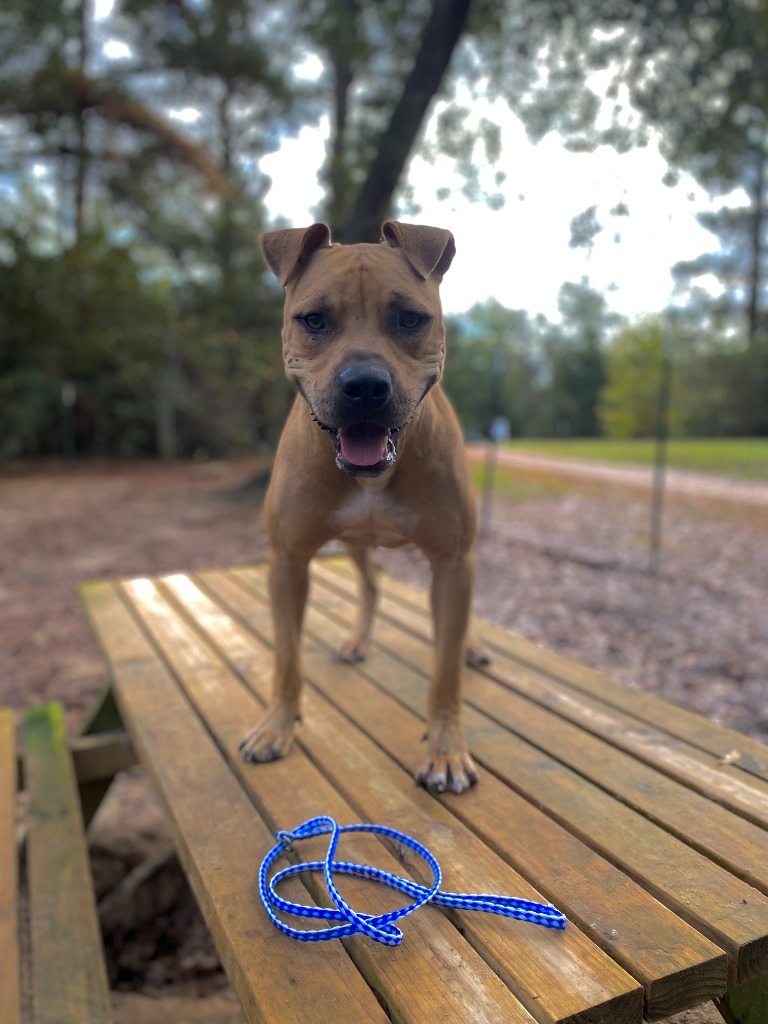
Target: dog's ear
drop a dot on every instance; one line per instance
(285, 250)
(428, 250)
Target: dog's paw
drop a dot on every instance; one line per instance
(475, 655)
(449, 768)
(448, 774)
(270, 740)
(350, 652)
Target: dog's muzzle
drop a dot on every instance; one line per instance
(364, 441)
(365, 438)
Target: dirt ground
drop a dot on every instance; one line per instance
(563, 561)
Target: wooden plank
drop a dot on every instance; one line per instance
(101, 756)
(436, 967)
(103, 717)
(10, 992)
(96, 758)
(218, 835)
(557, 976)
(733, 842)
(563, 867)
(730, 913)
(751, 756)
(69, 977)
(686, 725)
(732, 788)
(745, 1004)
(738, 792)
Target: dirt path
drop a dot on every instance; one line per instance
(60, 527)
(677, 481)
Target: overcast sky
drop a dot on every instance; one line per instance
(521, 254)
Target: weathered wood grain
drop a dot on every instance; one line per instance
(641, 724)
(746, 756)
(611, 805)
(557, 976)
(69, 978)
(436, 967)
(739, 845)
(563, 867)
(219, 836)
(730, 913)
(10, 997)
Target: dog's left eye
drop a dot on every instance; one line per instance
(410, 321)
(313, 322)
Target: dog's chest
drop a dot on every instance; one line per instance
(372, 517)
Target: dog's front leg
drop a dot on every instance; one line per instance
(449, 765)
(288, 586)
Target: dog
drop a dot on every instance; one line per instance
(371, 453)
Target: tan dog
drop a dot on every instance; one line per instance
(372, 453)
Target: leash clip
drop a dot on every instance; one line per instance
(285, 838)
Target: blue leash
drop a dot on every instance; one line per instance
(381, 928)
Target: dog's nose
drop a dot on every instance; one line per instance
(367, 387)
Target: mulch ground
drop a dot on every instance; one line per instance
(62, 527)
(564, 564)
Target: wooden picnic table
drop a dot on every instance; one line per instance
(647, 825)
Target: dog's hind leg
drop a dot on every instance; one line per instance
(355, 647)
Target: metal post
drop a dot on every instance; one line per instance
(660, 463)
(489, 482)
(68, 439)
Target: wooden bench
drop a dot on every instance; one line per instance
(646, 824)
(67, 978)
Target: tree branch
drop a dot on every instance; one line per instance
(441, 34)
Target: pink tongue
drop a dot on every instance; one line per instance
(364, 448)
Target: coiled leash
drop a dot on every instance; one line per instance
(381, 927)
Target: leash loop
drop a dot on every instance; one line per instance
(381, 927)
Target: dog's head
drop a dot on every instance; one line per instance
(363, 335)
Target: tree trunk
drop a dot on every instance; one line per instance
(342, 56)
(81, 158)
(441, 34)
(757, 247)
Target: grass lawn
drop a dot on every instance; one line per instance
(739, 457)
(528, 485)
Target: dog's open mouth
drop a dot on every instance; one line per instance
(364, 445)
(364, 449)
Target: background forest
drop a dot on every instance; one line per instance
(136, 316)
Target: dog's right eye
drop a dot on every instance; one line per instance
(313, 322)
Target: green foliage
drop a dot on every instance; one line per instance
(129, 263)
(81, 316)
(635, 364)
(92, 316)
(574, 355)
(489, 369)
(698, 74)
(723, 391)
(544, 378)
(128, 268)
